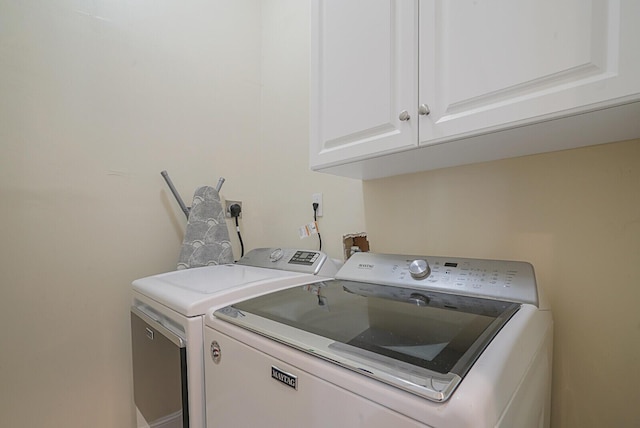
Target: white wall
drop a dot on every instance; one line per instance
(96, 98)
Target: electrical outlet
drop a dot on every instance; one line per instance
(316, 198)
(227, 209)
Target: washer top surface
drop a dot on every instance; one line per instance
(213, 279)
(192, 291)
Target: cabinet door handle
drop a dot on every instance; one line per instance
(423, 110)
(404, 116)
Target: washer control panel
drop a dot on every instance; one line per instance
(512, 281)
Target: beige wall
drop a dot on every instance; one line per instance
(576, 216)
(96, 98)
(285, 183)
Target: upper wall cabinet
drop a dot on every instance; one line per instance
(364, 69)
(409, 85)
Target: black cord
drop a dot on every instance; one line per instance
(235, 210)
(240, 238)
(315, 219)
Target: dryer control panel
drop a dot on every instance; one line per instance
(291, 259)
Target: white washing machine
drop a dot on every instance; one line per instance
(167, 323)
(393, 341)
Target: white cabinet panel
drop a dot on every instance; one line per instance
(486, 64)
(363, 74)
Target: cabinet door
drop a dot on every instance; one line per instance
(493, 64)
(363, 75)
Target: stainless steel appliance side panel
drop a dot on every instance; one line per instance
(159, 371)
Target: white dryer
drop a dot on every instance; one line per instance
(393, 341)
(167, 323)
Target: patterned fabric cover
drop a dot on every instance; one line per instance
(206, 239)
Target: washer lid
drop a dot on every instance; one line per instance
(423, 342)
(192, 291)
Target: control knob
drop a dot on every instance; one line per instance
(419, 269)
(276, 255)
